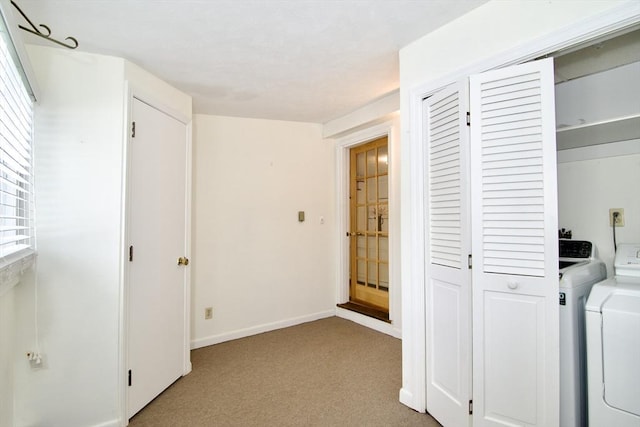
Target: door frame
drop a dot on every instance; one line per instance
(413, 392)
(343, 147)
(131, 92)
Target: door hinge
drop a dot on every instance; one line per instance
(470, 262)
(133, 129)
(470, 406)
(129, 377)
(130, 253)
(468, 118)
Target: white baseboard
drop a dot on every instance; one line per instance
(406, 398)
(111, 423)
(254, 330)
(369, 322)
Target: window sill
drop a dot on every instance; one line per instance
(12, 267)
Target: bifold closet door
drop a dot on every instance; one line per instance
(515, 247)
(448, 293)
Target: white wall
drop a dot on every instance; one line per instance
(588, 188)
(373, 120)
(7, 345)
(495, 30)
(487, 31)
(253, 262)
(78, 168)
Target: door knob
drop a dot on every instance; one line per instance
(183, 261)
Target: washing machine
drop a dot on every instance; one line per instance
(580, 269)
(613, 344)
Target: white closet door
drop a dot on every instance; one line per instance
(515, 247)
(448, 296)
(157, 316)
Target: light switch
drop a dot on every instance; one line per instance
(301, 216)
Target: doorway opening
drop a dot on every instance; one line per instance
(369, 230)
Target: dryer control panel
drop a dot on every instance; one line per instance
(627, 262)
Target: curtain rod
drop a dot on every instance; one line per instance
(45, 35)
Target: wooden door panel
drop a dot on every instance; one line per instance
(369, 209)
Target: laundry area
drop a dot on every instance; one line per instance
(598, 142)
(613, 343)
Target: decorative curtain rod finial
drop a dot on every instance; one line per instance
(45, 35)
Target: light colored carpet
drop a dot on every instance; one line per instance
(331, 372)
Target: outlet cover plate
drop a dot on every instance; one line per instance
(620, 219)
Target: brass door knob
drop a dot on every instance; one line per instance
(183, 261)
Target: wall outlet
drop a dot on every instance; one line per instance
(208, 313)
(619, 219)
(35, 359)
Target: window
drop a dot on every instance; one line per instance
(16, 183)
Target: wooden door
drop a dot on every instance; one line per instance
(515, 247)
(369, 210)
(156, 223)
(448, 293)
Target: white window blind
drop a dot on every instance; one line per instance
(16, 134)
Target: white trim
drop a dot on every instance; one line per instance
(342, 210)
(6, 9)
(124, 357)
(342, 224)
(406, 398)
(110, 423)
(13, 266)
(187, 366)
(600, 151)
(259, 329)
(123, 317)
(413, 274)
(369, 322)
(413, 393)
(155, 102)
(374, 112)
(365, 135)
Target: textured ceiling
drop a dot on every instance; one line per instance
(300, 60)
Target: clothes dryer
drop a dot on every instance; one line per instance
(613, 344)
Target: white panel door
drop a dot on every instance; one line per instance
(448, 294)
(156, 230)
(515, 247)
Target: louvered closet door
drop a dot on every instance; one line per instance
(515, 247)
(448, 296)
